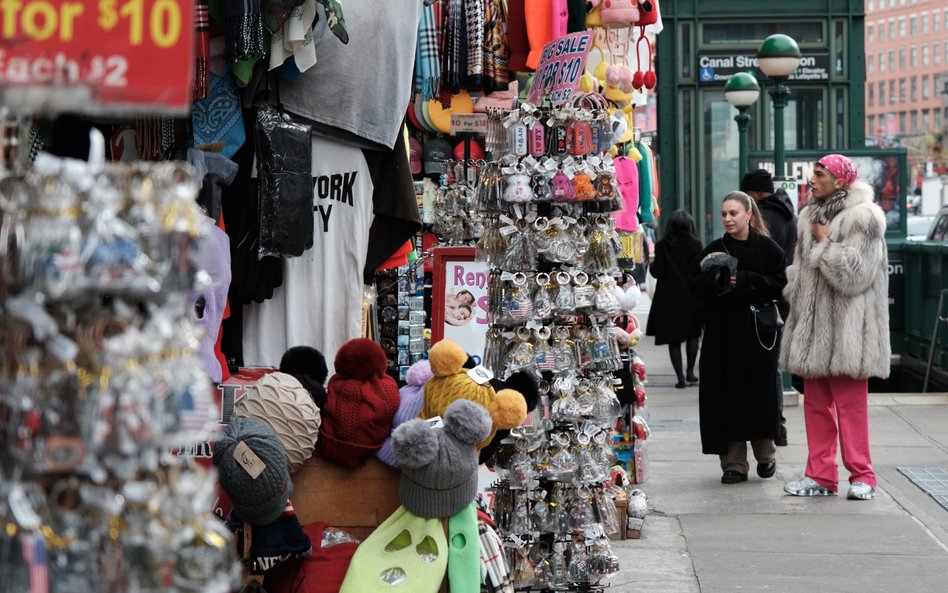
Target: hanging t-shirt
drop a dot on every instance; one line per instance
(320, 301)
(358, 92)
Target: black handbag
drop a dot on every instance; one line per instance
(767, 320)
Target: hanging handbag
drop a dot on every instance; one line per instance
(285, 190)
(767, 320)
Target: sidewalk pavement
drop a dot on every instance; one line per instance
(702, 536)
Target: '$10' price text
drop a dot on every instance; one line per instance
(160, 22)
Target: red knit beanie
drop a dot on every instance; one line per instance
(361, 402)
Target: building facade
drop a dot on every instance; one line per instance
(704, 42)
(906, 73)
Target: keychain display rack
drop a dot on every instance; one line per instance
(99, 381)
(540, 215)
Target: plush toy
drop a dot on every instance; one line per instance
(518, 188)
(452, 381)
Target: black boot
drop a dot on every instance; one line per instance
(674, 352)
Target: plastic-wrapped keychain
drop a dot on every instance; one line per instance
(520, 355)
(495, 351)
(518, 303)
(564, 302)
(542, 299)
(521, 252)
(607, 302)
(601, 256)
(564, 358)
(583, 293)
(543, 351)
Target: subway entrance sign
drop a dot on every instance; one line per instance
(715, 67)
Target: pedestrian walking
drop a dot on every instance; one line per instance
(736, 276)
(837, 333)
(675, 314)
(780, 216)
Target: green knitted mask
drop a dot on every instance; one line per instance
(464, 552)
(405, 553)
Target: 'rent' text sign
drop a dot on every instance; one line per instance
(560, 68)
(97, 56)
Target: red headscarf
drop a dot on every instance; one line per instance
(841, 167)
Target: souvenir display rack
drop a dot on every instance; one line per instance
(540, 214)
(100, 381)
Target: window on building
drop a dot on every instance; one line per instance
(902, 123)
(925, 87)
(925, 55)
(936, 22)
(871, 128)
(881, 62)
(902, 58)
(902, 97)
(938, 118)
(891, 28)
(901, 27)
(914, 89)
(881, 94)
(924, 23)
(913, 121)
(913, 25)
(935, 53)
(892, 97)
(925, 122)
(892, 60)
(913, 53)
(870, 29)
(871, 98)
(870, 64)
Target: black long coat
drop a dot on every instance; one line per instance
(737, 396)
(675, 314)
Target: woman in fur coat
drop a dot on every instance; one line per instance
(837, 333)
(737, 395)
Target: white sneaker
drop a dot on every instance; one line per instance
(860, 491)
(807, 487)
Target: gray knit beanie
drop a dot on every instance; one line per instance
(439, 465)
(251, 467)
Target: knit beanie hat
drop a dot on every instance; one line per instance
(404, 553)
(451, 382)
(412, 398)
(758, 180)
(464, 551)
(360, 404)
(282, 402)
(439, 465)
(321, 572)
(308, 365)
(252, 470)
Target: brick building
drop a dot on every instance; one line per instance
(906, 72)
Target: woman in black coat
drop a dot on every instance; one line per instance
(675, 316)
(739, 391)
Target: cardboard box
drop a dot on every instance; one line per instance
(354, 500)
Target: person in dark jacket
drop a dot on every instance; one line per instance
(781, 220)
(775, 206)
(675, 315)
(738, 394)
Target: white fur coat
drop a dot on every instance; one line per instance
(838, 293)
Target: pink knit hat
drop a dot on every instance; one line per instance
(841, 167)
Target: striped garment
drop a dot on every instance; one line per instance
(427, 56)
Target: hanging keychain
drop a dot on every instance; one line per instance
(542, 351)
(564, 357)
(583, 293)
(542, 299)
(565, 301)
(520, 355)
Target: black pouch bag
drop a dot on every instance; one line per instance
(285, 180)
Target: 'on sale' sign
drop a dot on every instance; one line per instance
(560, 68)
(96, 56)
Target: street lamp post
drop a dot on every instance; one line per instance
(779, 56)
(742, 91)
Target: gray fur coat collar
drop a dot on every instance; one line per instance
(838, 294)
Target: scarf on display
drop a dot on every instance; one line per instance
(294, 37)
(202, 51)
(454, 55)
(474, 23)
(277, 12)
(824, 211)
(496, 52)
(427, 56)
(243, 29)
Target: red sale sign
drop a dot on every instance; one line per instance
(97, 56)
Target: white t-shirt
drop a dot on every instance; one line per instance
(320, 301)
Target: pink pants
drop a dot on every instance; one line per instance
(837, 408)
